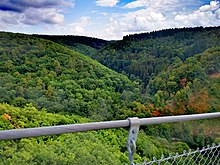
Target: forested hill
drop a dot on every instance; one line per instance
(176, 73)
(51, 76)
(178, 67)
(70, 40)
(168, 71)
(81, 44)
(166, 33)
(146, 55)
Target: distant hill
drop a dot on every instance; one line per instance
(70, 40)
(171, 72)
(51, 76)
(191, 86)
(166, 33)
(81, 44)
(175, 78)
(146, 55)
(168, 71)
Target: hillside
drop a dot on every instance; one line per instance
(51, 76)
(175, 66)
(44, 83)
(185, 87)
(146, 55)
(59, 79)
(191, 86)
(81, 44)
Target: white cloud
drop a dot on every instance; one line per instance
(141, 20)
(160, 14)
(137, 3)
(159, 5)
(33, 12)
(84, 21)
(8, 18)
(79, 27)
(217, 14)
(107, 3)
(211, 7)
(196, 18)
(207, 15)
(34, 16)
(54, 18)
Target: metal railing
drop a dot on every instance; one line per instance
(133, 123)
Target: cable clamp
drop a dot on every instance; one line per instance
(132, 138)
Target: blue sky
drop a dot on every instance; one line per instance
(107, 19)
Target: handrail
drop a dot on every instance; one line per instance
(134, 124)
(62, 129)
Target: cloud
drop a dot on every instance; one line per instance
(9, 18)
(159, 5)
(160, 14)
(137, 3)
(32, 12)
(107, 3)
(207, 15)
(78, 27)
(6, 5)
(217, 14)
(22, 5)
(211, 7)
(196, 18)
(34, 16)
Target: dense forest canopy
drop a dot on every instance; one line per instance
(61, 80)
(167, 33)
(69, 40)
(81, 44)
(53, 80)
(146, 55)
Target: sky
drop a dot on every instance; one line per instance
(106, 19)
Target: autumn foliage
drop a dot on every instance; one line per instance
(6, 116)
(199, 102)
